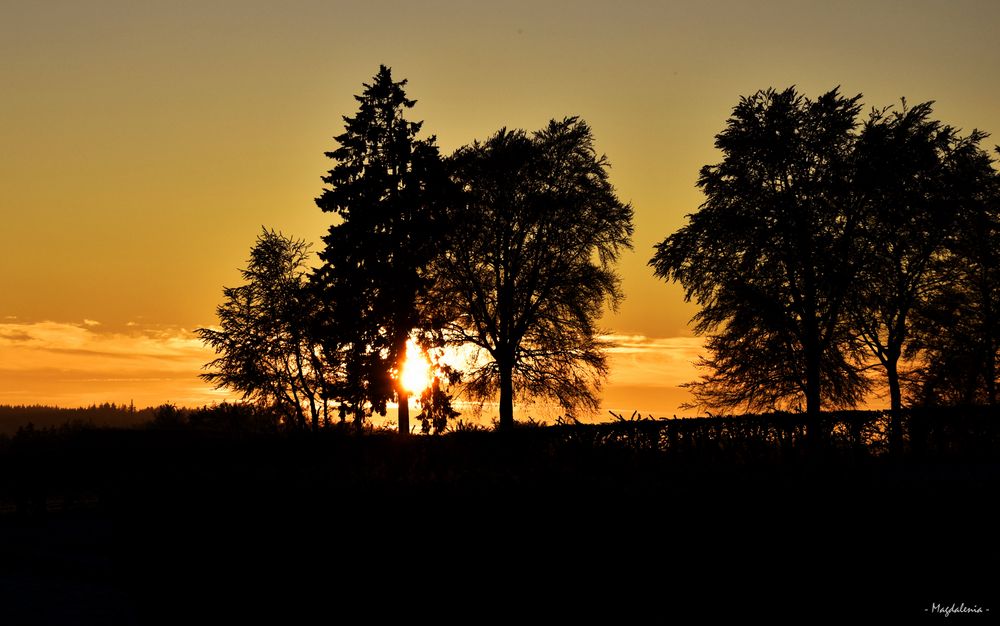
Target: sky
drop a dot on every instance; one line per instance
(145, 144)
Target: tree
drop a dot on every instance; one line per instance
(767, 256)
(267, 352)
(386, 186)
(956, 334)
(914, 180)
(527, 275)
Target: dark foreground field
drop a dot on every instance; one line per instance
(709, 521)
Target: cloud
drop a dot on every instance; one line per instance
(14, 336)
(88, 322)
(72, 364)
(646, 374)
(141, 343)
(637, 360)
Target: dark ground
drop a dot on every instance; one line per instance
(178, 527)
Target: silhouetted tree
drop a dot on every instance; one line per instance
(267, 352)
(767, 255)
(385, 186)
(956, 335)
(532, 264)
(436, 408)
(915, 180)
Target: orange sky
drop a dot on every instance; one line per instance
(145, 144)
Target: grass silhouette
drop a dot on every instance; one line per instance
(188, 520)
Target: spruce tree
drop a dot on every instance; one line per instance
(384, 188)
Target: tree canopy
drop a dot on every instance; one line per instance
(826, 245)
(529, 271)
(768, 255)
(956, 326)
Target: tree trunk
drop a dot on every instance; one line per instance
(895, 394)
(314, 413)
(895, 404)
(402, 395)
(988, 332)
(813, 396)
(404, 411)
(811, 345)
(989, 373)
(506, 396)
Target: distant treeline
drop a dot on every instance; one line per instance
(225, 416)
(108, 414)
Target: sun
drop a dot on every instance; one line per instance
(416, 374)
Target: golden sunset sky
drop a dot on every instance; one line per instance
(146, 143)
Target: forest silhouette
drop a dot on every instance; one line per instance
(834, 254)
